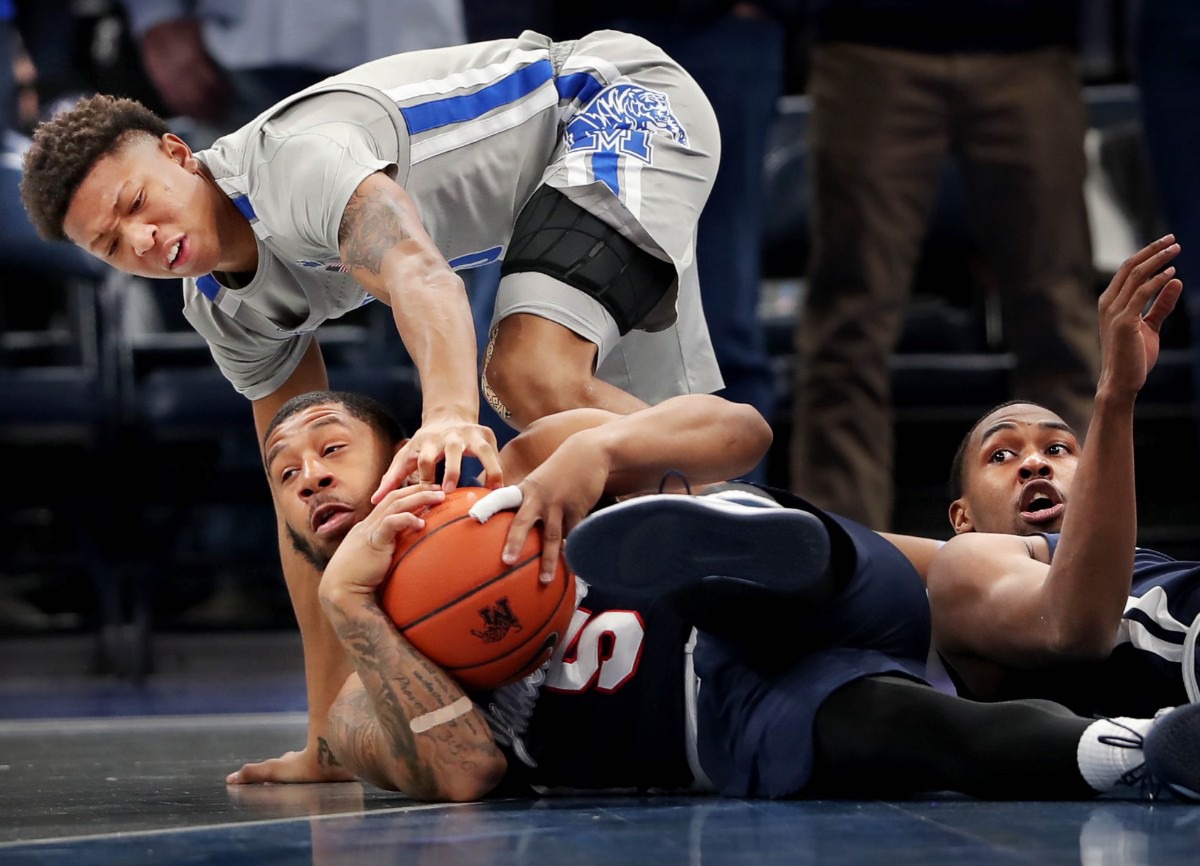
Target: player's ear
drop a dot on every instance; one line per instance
(177, 149)
(960, 517)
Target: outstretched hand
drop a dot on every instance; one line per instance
(439, 441)
(308, 765)
(1133, 308)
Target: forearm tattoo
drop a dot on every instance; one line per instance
(400, 685)
(371, 225)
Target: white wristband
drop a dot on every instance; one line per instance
(503, 499)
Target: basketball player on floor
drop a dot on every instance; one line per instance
(583, 165)
(804, 680)
(1043, 593)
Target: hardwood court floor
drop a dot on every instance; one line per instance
(116, 773)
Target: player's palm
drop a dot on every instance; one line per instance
(1133, 308)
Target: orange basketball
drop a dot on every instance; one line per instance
(483, 622)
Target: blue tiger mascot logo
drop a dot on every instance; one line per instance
(621, 119)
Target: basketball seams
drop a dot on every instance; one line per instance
(534, 632)
(475, 590)
(442, 612)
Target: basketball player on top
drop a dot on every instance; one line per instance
(799, 675)
(582, 165)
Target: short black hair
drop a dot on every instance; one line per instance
(370, 411)
(65, 148)
(958, 467)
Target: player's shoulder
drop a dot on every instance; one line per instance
(999, 543)
(976, 557)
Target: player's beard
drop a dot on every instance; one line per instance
(302, 546)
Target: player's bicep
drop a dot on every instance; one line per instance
(381, 237)
(987, 597)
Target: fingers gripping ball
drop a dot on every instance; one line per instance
(483, 622)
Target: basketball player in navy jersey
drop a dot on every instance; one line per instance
(1043, 591)
(636, 697)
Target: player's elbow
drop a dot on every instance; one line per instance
(467, 782)
(750, 434)
(1079, 640)
(475, 784)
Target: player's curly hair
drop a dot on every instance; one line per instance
(65, 148)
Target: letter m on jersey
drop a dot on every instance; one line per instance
(621, 120)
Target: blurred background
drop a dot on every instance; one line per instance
(136, 509)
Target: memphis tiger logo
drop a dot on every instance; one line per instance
(498, 621)
(622, 119)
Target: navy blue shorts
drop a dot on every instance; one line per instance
(756, 722)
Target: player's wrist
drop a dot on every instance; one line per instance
(347, 598)
(1113, 400)
(448, 414)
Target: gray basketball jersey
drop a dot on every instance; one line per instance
(470, 132)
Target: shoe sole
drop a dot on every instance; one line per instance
(664, 543)
(1172, 751)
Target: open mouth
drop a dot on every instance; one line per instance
(329, 517)
(1041, 502)
(176, 254)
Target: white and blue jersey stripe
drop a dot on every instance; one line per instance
(1153, 663)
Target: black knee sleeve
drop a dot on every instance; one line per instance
(556, 237)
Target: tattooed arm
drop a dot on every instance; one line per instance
(387, 250)
(400, 722)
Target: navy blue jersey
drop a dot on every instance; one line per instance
(1144, 673)
(610, 713)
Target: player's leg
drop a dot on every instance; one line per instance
(1024, 168)
(727, 565)
(874, 178)
(782, 581)
(571, 288)
(606, 247)
(884, 736)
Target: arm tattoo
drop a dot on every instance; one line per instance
(371, 225)
(399, 685)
